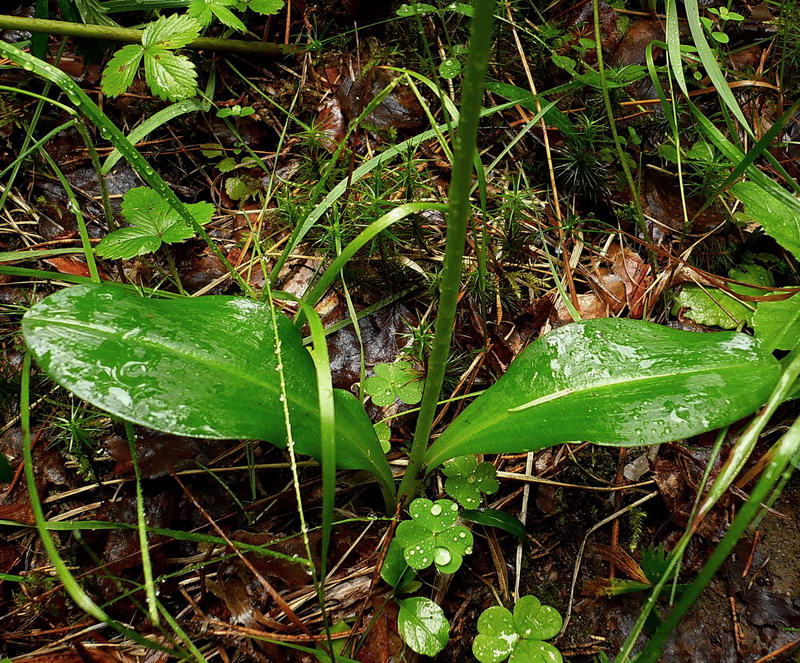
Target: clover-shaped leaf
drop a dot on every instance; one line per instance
(394, 381)
(467, 479)
(432, 536)
(518, 637)
(384, 434)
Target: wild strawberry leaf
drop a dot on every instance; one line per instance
(121, 70)
(153, 222)
(266, 7)
(170, 77)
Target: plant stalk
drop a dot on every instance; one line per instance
(132, 36)
(459, 211)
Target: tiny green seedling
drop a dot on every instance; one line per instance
(518, 637)
(723, 14)
(432, 536)
(236, 111)
(392, 382)
(153, 222)
(467, 479)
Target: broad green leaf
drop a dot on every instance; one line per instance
(423, 626)
(202, 367)
(384, 434)
(716, 308)
(617, 382)
(266, 7)
(496, 518)
(170, 32)
(496, 637)
(121, 70)
(152, 221)
(170, 77)
(779, 221)
(777, 324)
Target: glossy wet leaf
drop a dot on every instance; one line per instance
(535, 621)
(450, 68)
(467, 479)
(423, 626)
(432, 536)
(395, 570)
(617, 382)
(392, 382)
(201, 367)
(496, 518)
(777, 324)
(779, 221)
(266, 6)
(153, 222)
(384, 434)
(518, 636)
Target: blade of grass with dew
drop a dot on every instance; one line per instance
(141, 525)
(70, 584)
(57, 277)
(364, 237)
(153, 122)
(459, 210)
(35, 254)
(736, 460)
(780, 466)
(110, 131)
(327, 424)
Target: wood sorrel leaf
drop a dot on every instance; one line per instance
(617, 382)
(201, 367)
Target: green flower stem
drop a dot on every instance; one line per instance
(457, 219)
(129, 35)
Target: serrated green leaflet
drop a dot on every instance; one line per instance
(152, 221)
(203, 367)
(423, 626)
(204, 11)
(121, 69)
(170, 77)
(622, 382)
(266, 7)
